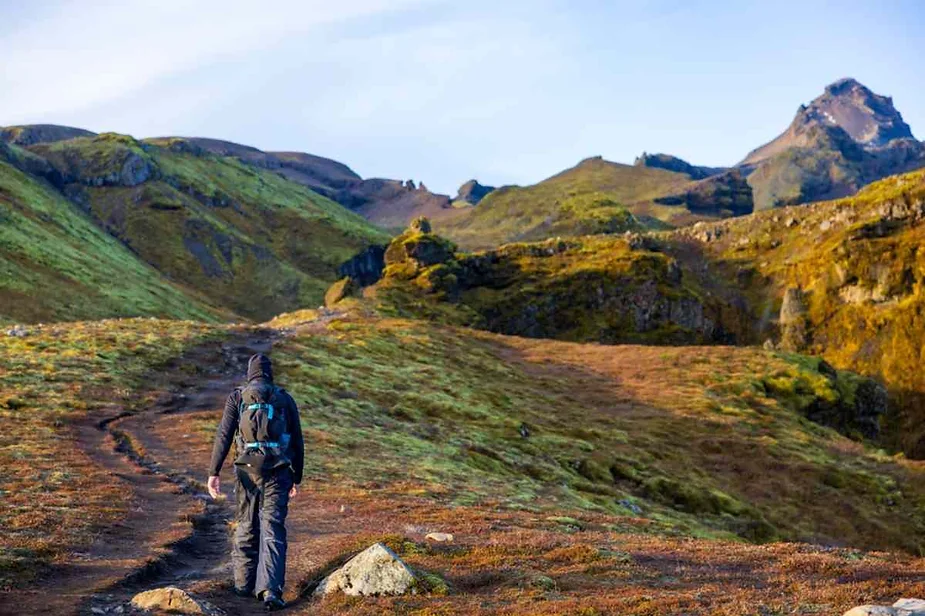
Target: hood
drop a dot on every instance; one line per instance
(259, 367)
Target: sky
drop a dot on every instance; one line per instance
(508, 92)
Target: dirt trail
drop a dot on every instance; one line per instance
(174, 534)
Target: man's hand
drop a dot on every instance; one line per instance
(215, 486)
(293, 491)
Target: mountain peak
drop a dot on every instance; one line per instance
(845, 84)
(869, 119)
(846, 107)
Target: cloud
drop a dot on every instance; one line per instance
(87, 53)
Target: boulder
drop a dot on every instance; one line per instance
(174, 600)
(793, 325)
(375, 571)
(903, 607)
(345, 287)
(440, 537)
(17, 331)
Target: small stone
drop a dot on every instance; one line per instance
(826, 225)
(440, 537)
(97, 610)
(172, 599)
(628, 504)
(543, 582)
(17, 331)
(791, 222)
(375, 571)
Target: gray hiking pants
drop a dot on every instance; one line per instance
(258, 552)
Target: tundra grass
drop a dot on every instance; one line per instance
(53, 499)
(707, 442)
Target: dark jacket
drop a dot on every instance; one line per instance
(259, 370)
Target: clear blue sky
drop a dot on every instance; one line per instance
(443, 91)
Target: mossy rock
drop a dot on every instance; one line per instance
(421, 224)
(424, 249)
(343, 288)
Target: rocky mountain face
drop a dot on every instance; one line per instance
(839, 142)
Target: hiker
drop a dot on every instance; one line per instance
(262, 421)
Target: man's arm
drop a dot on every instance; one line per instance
(296, 443)
(224, 437)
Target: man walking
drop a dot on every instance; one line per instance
(262, 421)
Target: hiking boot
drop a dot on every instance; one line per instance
(272, 601)
(243, 592)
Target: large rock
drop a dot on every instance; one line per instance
(343, 288)
(793, 325)
(175, 600)
(375, 571)
(903, 607)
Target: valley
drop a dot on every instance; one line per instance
(657, 388)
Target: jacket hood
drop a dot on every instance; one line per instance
(259, 367)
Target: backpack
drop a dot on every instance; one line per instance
(262, 435)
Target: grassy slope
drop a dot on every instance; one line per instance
(836, 249)
(55, 264)
(630, 449)
(245, 238)
(580, 200)
(53, 498)
(686, 434)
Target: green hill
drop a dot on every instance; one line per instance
(56, 264)
(244, 238)
(595, 196)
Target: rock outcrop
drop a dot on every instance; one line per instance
(173, 600)
(365, 268)
(727, 192)
(472, 192)
(793, 324)
(678, 165)
(375, 571)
